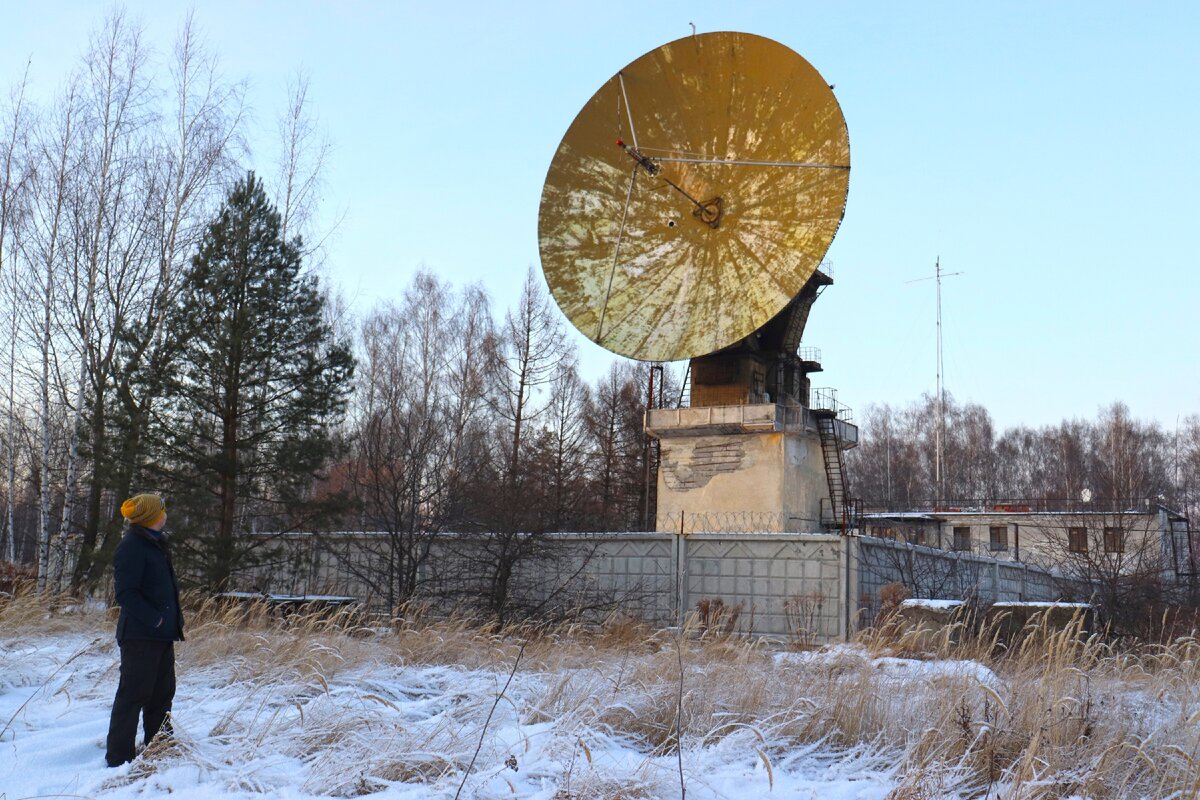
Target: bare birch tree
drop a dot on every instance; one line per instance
(419, 390)
(615, 433)
(469, 453)
(121, 196)
(193, 157)
(1129, 459)
(15, 176)
(398, 470)
(529, 350)
(566, 448)
(110, 242)
(1188, 464)
(524, 359)
(303, 153)
(48, 247)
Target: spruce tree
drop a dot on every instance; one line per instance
(259, 384)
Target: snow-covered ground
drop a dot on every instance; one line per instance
(381, 729)
(306, 709)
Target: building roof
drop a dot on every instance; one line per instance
(934, 516)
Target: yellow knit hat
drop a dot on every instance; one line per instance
(143, 509)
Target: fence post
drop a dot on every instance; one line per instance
(996, 581)
(315, 551)
(673, 591)
(681, 572)
(850, 587)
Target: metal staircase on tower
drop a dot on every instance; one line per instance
(1184, 544)
(826, 410)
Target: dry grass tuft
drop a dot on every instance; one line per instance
(416, 768)
(24, 610)
(594, 786)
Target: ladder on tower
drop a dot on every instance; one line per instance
(835, 467)
(685, 389)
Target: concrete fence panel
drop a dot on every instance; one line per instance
(778, 584)
(811, 588)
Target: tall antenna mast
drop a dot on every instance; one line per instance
(940, 430)
(941, 397)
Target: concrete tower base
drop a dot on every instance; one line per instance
(742, 468)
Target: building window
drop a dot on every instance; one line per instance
(962, 537)
(1077, 540)
(1114, 540)
(915, 536)
(999, 537)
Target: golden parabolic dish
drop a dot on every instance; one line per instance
(626, 258)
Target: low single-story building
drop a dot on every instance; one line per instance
(1152, 538)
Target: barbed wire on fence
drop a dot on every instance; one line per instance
(688, 522)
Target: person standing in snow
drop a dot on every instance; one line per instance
(147, 629)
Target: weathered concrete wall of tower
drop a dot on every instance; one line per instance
(720, 482)
(805, 480)
(770, 481)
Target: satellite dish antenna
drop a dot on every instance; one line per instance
(694, 197)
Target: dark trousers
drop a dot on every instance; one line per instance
(147, 687)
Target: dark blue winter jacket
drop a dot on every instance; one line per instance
(146, 588)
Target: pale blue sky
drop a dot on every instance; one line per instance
(1046, 150)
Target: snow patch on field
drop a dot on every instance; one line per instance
(938, 605)
(1041, 604)
(845, 657)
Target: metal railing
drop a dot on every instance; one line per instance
(850, 518)
(825, 399)
(810, 354)
(1015, 505)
